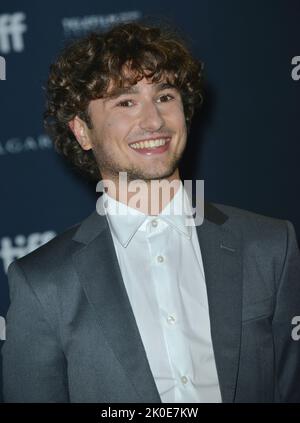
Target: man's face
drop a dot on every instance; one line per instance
(122, 123)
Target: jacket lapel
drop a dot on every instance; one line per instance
(221, 254)
(97, 267)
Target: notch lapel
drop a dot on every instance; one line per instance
(98, 270)
(221, 255)
(97, 266)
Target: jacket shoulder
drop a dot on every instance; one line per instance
(50, 255)
(263, 235)
(249, 221)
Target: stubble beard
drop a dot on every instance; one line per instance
(109, 166)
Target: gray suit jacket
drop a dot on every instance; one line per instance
(72, 335)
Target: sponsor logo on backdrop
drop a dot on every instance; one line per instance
(75, 26)
(18, 145)
(2, 69)
(20, 245)
(296, 69)
(12, 29)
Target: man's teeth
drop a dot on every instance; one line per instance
(149, 143)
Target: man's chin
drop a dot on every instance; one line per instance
(160, 172)
(151, 176)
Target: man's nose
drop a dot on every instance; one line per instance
(151, 118)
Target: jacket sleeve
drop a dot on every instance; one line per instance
(34, 366)
(287, 347)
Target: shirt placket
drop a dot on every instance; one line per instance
(163, 268)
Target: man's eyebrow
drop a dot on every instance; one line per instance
(117, 92)
(164, 86)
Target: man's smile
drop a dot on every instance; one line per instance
(151, 146)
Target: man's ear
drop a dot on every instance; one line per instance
(79, 129)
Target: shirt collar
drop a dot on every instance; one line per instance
(125, 221)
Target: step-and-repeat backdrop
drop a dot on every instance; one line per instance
(245, 142)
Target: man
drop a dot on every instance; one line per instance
(136, 305)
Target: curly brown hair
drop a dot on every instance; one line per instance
(86, 67)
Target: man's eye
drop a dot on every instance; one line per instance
(165, 97)
(125, 103)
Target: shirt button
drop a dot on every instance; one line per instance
(154, 223)
(184, 380)
(160, 259)
(171, 319)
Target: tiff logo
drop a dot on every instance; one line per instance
(12, 28)
(21, 245)
(2, 69)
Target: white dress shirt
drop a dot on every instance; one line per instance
(162, 269)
